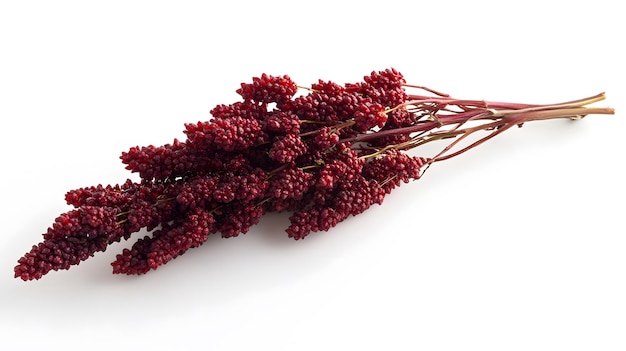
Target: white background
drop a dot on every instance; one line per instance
(517, 245)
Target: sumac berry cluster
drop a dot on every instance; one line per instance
(323, 155)
(272, 151)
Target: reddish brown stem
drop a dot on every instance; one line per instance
(500, 116)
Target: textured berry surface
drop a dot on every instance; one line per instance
(268, 88)
(286, 149)
(248, 159)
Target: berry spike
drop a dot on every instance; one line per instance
(167, 243)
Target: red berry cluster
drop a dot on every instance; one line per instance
(270, 152)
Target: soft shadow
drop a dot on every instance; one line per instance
(220, 272)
